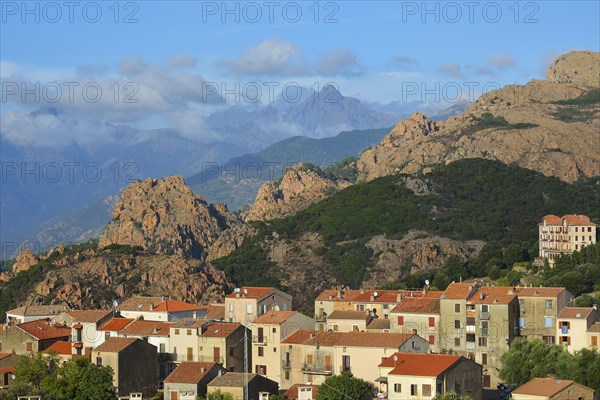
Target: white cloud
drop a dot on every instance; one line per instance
(501, 61)
(272, 56)
(452, 69)
(338, 62)
(182, 61)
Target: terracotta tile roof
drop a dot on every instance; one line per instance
(252, 292)
(364, 296)
(545, 387)
(328, 338)
(292, 392)
(379, 323)
(231, 379)
(574, 219)
(383, 296)
(88, 315)
(594, 328)
(373, 339)
(41, 329)
(576, 312)
(493, 295)
(189, 323)
(215, 311)
(348, 314)
(140, 303)
(570, 219)
(301, 336)
(274, 317)
(116, 324)
(34, 311)
(147, 328)
(417, 364)
(4, 355)
(63, 348)
(190, 372)
(458, 291)
(418, 306)
(116, 344)
(177, 306)
(551, 219)
(220, 329)
(334, 295)
(540, 291)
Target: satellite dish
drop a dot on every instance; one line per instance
(427, 282)
(395, 358)
(13, 377)
(245, 291)
(115, 303)
(236, 290)
(276, 308)
(375, 294)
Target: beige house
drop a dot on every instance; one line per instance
(247, 303)
(453, 316)
(8, 364)
(209, 341)
(539, 308)
(84, 327)
(346, 321)
(268, 331)
(235, 383)
(419, 315)
(382, 301)
(422, 376)
(189, 380)
(313, 356)
(551, 388)
(133, 362)
(30, 337)
(572, 326)
(160, 309)
(33, 313)
(593, 335)
(565, 235)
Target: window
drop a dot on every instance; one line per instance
(261, 369)
(248, 308)
(483, 358)
(482, 341)
(589, 229)
(457, 387)
(29, 346)
(397, 387)
(548, 339)
(431, 321)
(484, 328)
(261, 335)
(426, 389)
(190, 354)
(274, 349)
(431, 339)
(334, 327)
(594, 341)
(230, 307)
(413, 390)
(286, 375)
(106, 335)
(261, 351)
(401, 320)
(274, 330)
(456, 307)
(485, 308)
(189, 332)
(162, 348)
(177, 331)
(99, 361)
(457, 341)
(456, 324)
(576, 237)
(360, 307)
(548, 321)
(521, 322)
(471, 337)
(354, 328)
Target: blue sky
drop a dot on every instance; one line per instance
(370, 49)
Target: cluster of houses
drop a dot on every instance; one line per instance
(407, 344)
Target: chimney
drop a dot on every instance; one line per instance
(237, 295)
(481, 296)
(372, 297)
(399, 297)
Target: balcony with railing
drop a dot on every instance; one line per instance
(317, 369)
(286, 364)
(484, 315)
(259, 340)
(470, 345)
(321, 318)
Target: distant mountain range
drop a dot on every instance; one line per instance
(43, 210)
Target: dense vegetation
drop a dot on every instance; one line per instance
(76, 379)
(344, 386)
(526, 360)
(471, 199)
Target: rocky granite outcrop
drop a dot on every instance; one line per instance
(416, 250)
(24, 260)
(164, 216)
(540, 126)
(296, 190)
